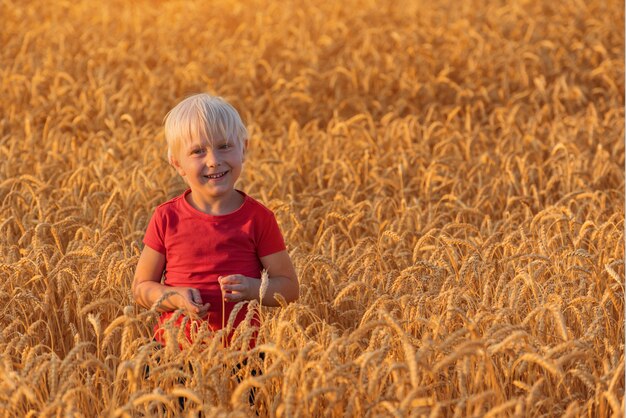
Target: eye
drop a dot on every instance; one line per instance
(197, 151)
(225, 146)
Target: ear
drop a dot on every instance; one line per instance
(244, 149)
(174, 163)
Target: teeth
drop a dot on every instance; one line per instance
(216, 176)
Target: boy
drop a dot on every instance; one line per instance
(213, 241)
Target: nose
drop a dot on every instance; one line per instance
(212, 158)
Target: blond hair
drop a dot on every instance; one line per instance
(202, 116)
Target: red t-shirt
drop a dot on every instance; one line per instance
(198, 248)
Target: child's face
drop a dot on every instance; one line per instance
(211, 168)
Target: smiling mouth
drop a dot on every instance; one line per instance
(216, 175)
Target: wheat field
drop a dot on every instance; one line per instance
(448, 176)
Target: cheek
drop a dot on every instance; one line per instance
(196, 165)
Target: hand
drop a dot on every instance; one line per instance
(190, 301)
(237, 287)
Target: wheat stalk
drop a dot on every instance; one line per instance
(457, 226)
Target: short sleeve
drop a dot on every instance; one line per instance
(154, 237)
(271, 239)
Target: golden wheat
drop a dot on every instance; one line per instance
(449, 179)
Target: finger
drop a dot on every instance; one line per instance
(231, 279)
(196, 299)
(234, 296)
(193, 309)
(235, 288)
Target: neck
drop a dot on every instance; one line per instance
(222, 206)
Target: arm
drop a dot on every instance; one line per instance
(148, 289)
(282, 279)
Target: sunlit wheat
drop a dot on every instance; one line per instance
(448, 177)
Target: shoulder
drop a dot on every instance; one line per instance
(172, 206)
(257, 207)
(173, 203)
(267, 236)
